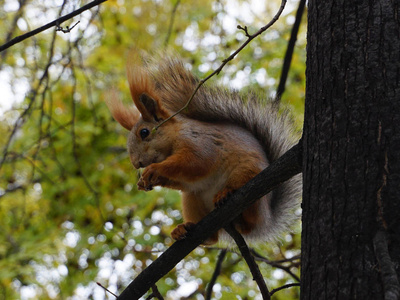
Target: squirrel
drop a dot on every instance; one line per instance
(212, 148)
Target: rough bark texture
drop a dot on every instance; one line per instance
(351, 163)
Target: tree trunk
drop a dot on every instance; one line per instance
(351, 165)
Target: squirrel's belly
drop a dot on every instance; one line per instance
(206, 189)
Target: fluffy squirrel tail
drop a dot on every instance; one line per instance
(174, 85)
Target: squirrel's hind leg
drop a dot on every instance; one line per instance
(250, 217)
(194, 209)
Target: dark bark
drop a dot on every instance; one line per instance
(351, 163)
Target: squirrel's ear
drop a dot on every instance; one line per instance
(150, 109)
(127, 116)
(143, 90)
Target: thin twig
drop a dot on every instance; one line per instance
(49, 25)
(171, 22)
(46, 88)
(216, 273)
(67, 28)
(106, 289)
(286, 286)
(21, 119)
(255, 271)
(278, 264)
(225, 61)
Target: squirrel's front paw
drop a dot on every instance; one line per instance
(149, 179)
(142, 185)
(220, 197)
(181, 230)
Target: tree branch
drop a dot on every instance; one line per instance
(244, 249)
(289, 51)
(49, 25)
(286, 286)
(278, 264)
(216, 273)
(279, 171)
(14, 26)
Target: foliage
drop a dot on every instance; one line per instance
(70, 213)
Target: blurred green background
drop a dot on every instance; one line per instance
(70, 212)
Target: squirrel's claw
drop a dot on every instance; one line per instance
(148, 180)
(181, 230)
(220, 197)
(142, 186)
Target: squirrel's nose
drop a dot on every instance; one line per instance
(137, 165)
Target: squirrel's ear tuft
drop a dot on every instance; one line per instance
(124, 115)
(139, 78)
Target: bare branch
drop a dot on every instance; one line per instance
(244, 29)
(286, 286)
(279, 171)
(289, 51)
(244, 249)
(106, 289)
(49, 25)
(278, 264)
(216, 273)
(67, 28)
(34, 93)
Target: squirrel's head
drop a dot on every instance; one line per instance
(145, 144)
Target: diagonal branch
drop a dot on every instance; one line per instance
(278, 172)
(49, 25)
(14, 26)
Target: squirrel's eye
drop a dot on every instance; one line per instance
(144, 133)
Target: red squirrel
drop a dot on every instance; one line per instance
(207, 151)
